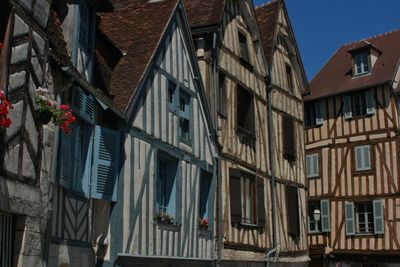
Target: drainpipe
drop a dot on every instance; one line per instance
(219, 180)
(268, 82)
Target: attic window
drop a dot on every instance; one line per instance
(361, 63)
(244, 50)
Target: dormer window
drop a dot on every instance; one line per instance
(361, 63)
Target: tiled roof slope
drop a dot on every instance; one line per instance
(203, 13)
(267, 19)
(58, 46)
(336, 76)
(136, 31)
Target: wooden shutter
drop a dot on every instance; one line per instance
(379, 226)
(235, 195)
(319, 114)
(288, 137)
(308, 165)
(292, 203)
(105, 164)
(325, 216)
(348, 114)
(349, 215)
(369, 99)
(222, 100)
(261, 201)
(83, 104)
(66, 162)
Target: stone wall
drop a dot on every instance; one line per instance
(26, 156)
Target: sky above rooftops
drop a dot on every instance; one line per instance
(322, 26)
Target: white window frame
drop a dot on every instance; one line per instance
(361, 63)
(360, 149)
(309, 158)
(368, 230)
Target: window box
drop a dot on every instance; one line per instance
(165, 218)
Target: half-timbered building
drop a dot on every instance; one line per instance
(87, 160)
(164, 215)
(287, 85)
(352, 164)
(234, 70)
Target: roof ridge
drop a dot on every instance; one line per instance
(266, 4)
(372, 37)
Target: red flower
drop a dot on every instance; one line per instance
(64, 107)
(5, 107)
(1, 45)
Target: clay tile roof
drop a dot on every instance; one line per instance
(58, 46)
(267, 18)
(335, 77)
(136, 31)
(202, 13)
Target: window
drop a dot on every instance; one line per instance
(319, 216)
(249, 208)
(362, 157)
(361, 63)
(7, 231)
(313, 114)
(244, 51)
(364, 217)
(184, 113)
(245, 111)
(292, 204)
(205, 203)
(312, 167)
(359, 104)
(89, 155)
(166, 184)
(289, 145)
(171, 94)
(289, 79)
(222, 95)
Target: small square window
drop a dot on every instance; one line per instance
(361, 63)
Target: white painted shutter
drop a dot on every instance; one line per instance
(367, 157)
(349, 215)
(369, 97)
(325, 216)
(379, 227)
(348, 114)
(83, 104)
(105, 164)
(319, 113)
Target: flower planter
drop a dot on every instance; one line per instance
(44, 117)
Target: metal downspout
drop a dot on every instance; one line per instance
(272, 161)
(219, 179)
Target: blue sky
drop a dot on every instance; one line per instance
(321, 26)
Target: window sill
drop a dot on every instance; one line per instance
(312, 177)
(361, 75)
(168, 226)
(289, 157)
(249, 225)
(204, 233)
(246, 64)
(363, 234)
(362, 172)
(244, 132)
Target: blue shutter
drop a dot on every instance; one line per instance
(349, 215)
(308, 166)
(358, 158)
(105, 164)
(367, 157)
(319, 113)
(83, 104)
(348, 114)
(66, 159)
(325, 216)
(370, 102)
(186, 99)
(379, 227)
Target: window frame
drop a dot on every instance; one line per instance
(318, 228)
(248, 189)
(310, 115)
(289, 79)
(203, 176)
(244, 52)
(288, 155)
(318, 155)
(369, 229)
(248, 130)
(371, 159)
(358, 59)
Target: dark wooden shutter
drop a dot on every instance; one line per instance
(289, 149)
(292, 203)
(235, 195)
(261, 201)
(5, 52)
